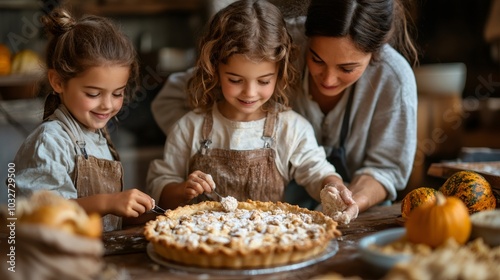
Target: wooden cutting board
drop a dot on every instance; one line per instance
(124, 241)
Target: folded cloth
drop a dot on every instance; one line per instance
(44, 252)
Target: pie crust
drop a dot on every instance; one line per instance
(256, 234)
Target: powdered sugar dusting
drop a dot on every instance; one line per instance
(241, 227)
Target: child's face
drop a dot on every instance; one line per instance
(246, 86)
(95, 96)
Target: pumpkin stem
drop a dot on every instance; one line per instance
(440, 198)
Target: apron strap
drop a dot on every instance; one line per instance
(79, 144)
(338, 155)
(345, 122)
(269, 124)
(208, 122)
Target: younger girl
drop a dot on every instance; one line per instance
(241, 135)
(92, 68)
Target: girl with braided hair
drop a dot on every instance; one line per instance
(92, 69)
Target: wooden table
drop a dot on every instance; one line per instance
(126, 250)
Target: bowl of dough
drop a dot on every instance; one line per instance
(486, 225)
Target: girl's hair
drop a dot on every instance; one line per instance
(77, 45)
(369, 23)
(255, 29)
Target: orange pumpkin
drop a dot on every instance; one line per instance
(5, 60)
(472, 189)
(434, 223)
(415, 198)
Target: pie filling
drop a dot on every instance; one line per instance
(256, 234)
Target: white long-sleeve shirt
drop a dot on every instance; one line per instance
(298, 155)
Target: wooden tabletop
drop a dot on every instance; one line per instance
(126, 250)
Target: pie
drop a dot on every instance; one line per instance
(256, 234)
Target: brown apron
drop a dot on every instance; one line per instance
(248, 174)
(96, 176)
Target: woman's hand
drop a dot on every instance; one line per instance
(338, 203)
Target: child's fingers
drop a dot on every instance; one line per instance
(200, 182)
(144, 199)
(210, 181)
(139, 201)
(138, 209)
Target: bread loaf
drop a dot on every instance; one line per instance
(49, 209)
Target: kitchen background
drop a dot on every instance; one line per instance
(458, 78)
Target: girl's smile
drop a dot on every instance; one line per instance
(246, 86)
(96, 95)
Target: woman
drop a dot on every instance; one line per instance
(353, 75)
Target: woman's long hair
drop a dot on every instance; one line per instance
(369, 23)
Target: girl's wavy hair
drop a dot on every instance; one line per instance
(255, 29)
(369, 23)
(77, 45)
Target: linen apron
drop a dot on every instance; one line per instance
(96, 176)
(246, 174)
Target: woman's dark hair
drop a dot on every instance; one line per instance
(369, 23)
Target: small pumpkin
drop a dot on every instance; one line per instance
(415, 198)
(472, 189)
(26, 62)
(433, 224)
(5, 60)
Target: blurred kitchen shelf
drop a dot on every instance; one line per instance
(482, 137)
(113, 8)
(19, 79)
(20, 4)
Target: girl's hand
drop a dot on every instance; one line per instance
(131, 203)
(198, 183)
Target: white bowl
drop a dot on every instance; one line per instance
(486, 224)
(441, 78)
(378, 258)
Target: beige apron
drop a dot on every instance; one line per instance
(249, 174)
(96, 176)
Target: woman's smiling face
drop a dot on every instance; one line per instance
(334, 64)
